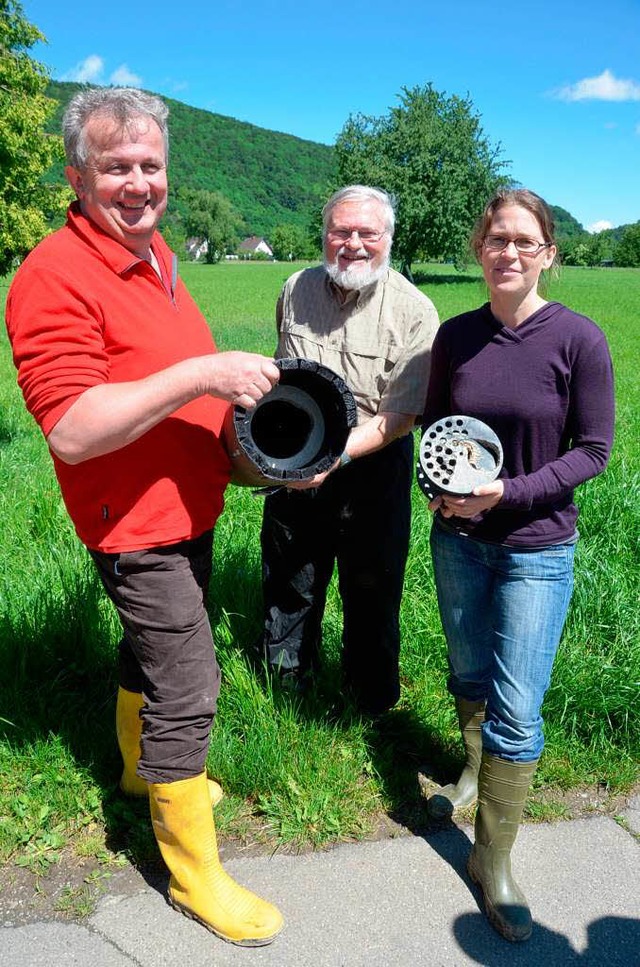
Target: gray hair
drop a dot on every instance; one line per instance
(362, 193)
(124, 105)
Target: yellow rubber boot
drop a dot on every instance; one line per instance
(129, 730)
(199, 886)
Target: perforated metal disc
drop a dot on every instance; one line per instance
(457, 454)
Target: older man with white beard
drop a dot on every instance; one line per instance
(362, 319)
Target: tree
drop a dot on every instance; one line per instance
(290, 242)
(586, 249)
(174, 236)
(431, 154)
(627, 251)
(574, 251)
(26, 152)
(210, 216)
(600, 247)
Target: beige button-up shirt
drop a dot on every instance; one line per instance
(379, 339)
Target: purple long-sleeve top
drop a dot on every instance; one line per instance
(546, 389)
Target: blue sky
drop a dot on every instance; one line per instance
(557, 84)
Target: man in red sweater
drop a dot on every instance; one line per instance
(118, 367)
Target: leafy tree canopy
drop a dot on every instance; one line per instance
(627, 251)
(26, 152)
(291, 242)
(431, 154)
(210, 216)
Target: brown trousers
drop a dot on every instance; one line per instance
(167, 651)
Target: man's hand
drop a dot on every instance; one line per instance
(375, 433)
(240, 378)
(315, 481)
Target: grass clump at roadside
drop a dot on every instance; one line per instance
(295, 773)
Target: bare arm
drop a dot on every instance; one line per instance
(377, 432)
(109, 416)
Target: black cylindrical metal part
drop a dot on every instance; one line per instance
(299, 428)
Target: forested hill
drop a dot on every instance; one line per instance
(565, 224)
(270, 178)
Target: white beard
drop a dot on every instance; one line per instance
(357, 276)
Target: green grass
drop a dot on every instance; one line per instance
(294, 773)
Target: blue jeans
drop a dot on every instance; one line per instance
(502, 611)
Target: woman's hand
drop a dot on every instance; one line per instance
(482, 498)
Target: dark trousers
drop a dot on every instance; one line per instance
(360, 518)
(167, 651)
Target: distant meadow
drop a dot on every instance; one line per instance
(298, 773)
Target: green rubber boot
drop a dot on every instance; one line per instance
(502, 792)
(465, 791)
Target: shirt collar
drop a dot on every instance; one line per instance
(119, 258)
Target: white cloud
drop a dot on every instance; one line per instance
(605, 87)
(91, 71)
(123, 77)
(599, 226)
(88, 71)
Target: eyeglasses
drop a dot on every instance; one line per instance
(523, 245)
(344, 234)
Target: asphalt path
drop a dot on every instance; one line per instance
(396, 902)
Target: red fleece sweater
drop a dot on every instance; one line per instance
(83, 310)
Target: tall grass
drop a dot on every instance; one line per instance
(296, 772)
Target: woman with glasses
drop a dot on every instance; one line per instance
(540, 376)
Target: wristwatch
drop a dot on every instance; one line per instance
(344, 458)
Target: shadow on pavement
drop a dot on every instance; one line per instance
(611, 941)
